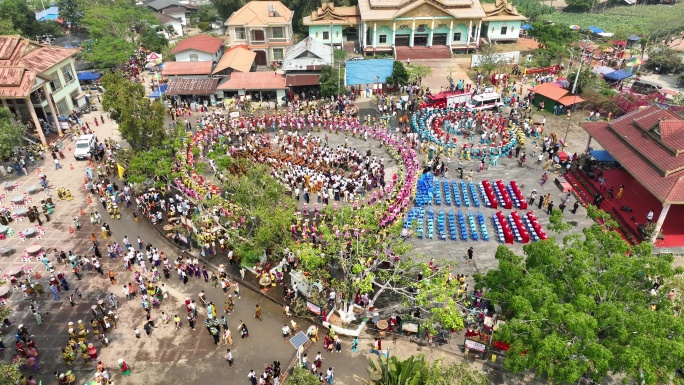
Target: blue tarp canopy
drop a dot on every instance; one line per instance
(602, 156)
(526, 26)
(364, 71)
(159, 91)
(51, 13)
(617, 75)
(88, 76)
(633, 38)
(602, 70)
(595, 29)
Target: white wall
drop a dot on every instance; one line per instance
(180, 16)
(201, 56)
(177, 26)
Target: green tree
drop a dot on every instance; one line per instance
(225, 8)
(549, 33)
(11, 133)
(556, 222)
(662, 60)
(151, 39)
(331, 82)
(586, 80)
(9, 374)
(302, 376)
(7, 28)
(21, 17)
(459, 373)
(118, 20)
(108, 52)
(489, 59)
(207, 14)
(415, 370)
(141, 121)
(580, 5)
(417, 72)
(71, 11)
(586, 307)
(400, 76)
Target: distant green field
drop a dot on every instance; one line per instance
(654, 21)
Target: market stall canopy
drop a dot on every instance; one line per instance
(88, 76)
(595, 30)
(605, 34)
(634, 38)
(618, 75)
(551, 91)
(161, 90)
(602, 70)
(619, 43)
(602, 156)
(526, 26)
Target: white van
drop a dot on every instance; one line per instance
(485, 101)
(84, 145)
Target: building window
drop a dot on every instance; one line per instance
(74, 95)
(257, 35)
(68, 75)
(63, 107)
(326, 35)
(277, 54)
(504, 29)
(55, 84)
(382, 39)
(194, 57)
(278, 32)
(457, 36)
(239, 33)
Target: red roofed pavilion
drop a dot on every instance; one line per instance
(649, 145)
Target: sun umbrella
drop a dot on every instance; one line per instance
(575, 27)
(636, 61)
(149, 65)
(157, 76)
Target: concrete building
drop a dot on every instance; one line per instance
(502, 22)
(38, 83)
(176, 24)
(329, 23)
(199, 48)
(264, 27)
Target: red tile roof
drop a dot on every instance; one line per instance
(202, 43)
(22, 60)
(254, 81)
(46, 57)
(176, 68)
(658, 169)
(23, 79)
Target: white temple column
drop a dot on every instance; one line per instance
(450, 38)
(394, 32)
(375, 35)
(479, 31)
(36, 122)
(53, 110)
(470, 32)
(659, 224)
(413, 30)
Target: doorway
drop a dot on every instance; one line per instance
(402, 40)
(420, 40)
(260, 58)
(439, 39)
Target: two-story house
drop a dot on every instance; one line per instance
(39, 84)
(264, 27)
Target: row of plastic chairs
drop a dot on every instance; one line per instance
(514, 198)
(483, 226)
(483, 194)
(473, 192)
(498, 228)
(473, 228)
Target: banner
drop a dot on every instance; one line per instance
(472, 345)
(121, 171)
(501, 57)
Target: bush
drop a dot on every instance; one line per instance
(204, 26)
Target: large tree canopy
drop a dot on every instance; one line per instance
(11, 133)
(141, 122)
(588, 308)
(20, 17)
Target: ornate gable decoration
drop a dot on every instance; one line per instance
(326, 12)
(425, 10)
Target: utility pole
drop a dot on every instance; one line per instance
(574, 88)
(332, 47)
(339, 77)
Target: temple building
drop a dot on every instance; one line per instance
(333, 24)
(434, 28)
